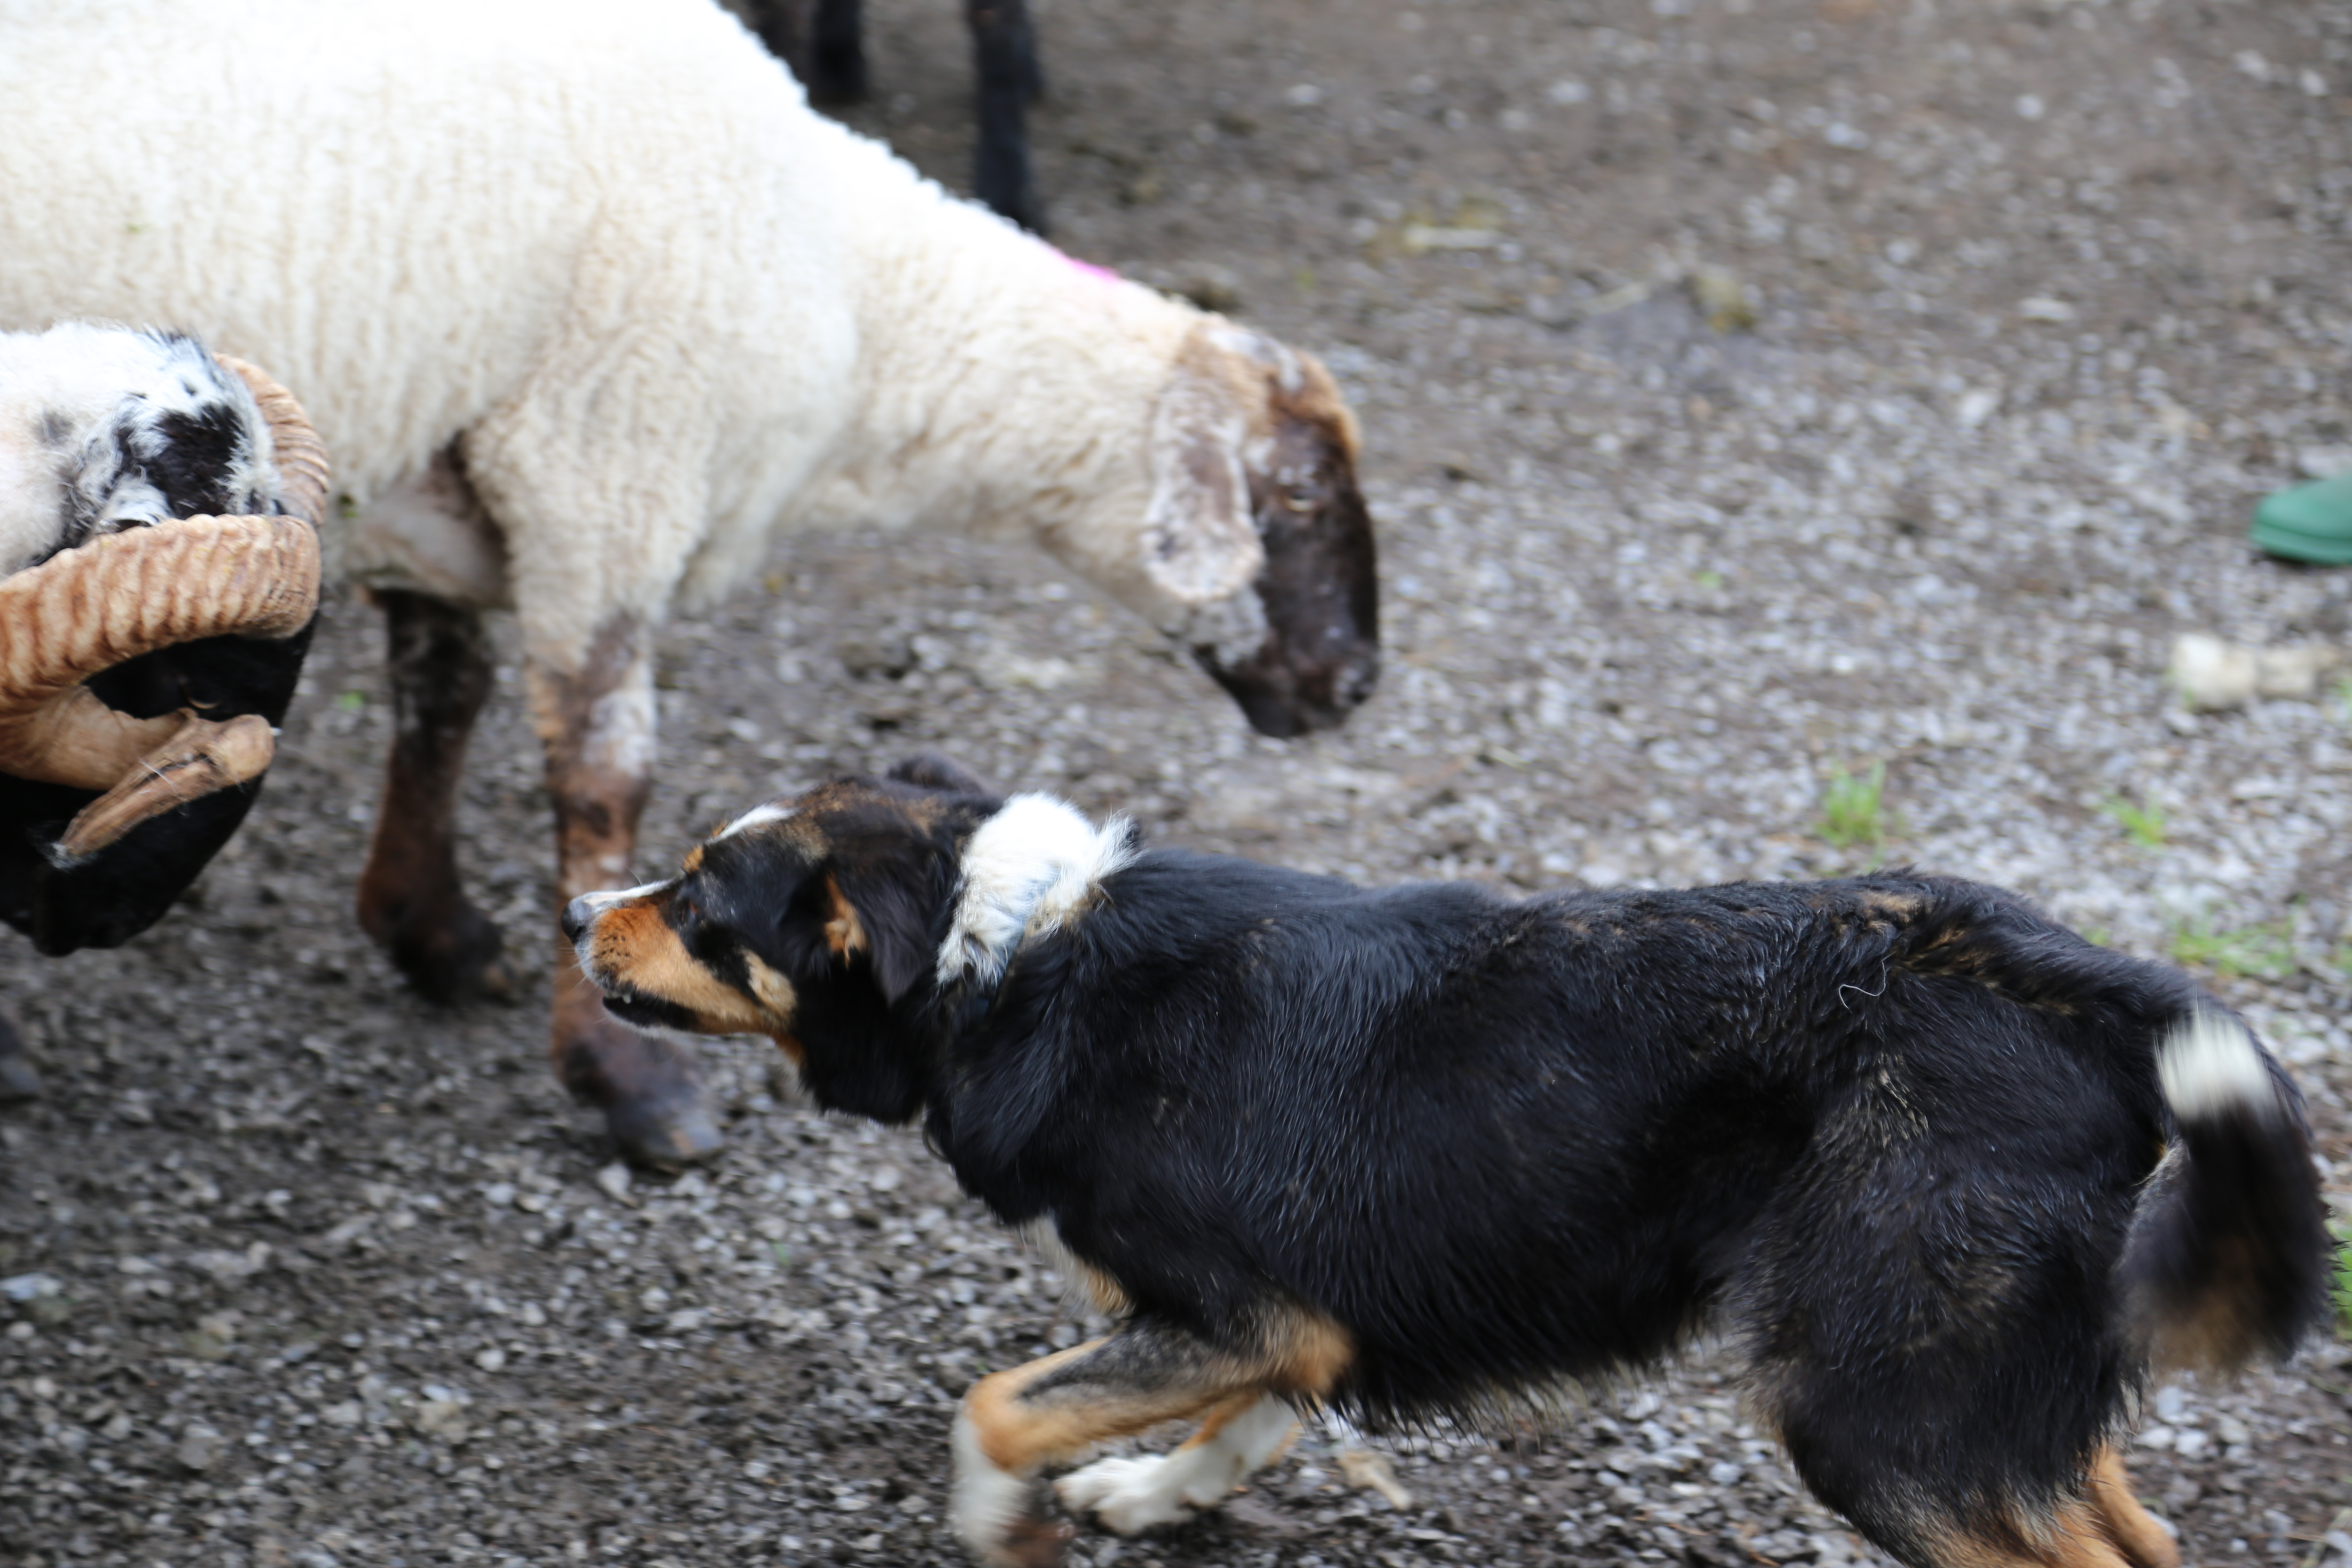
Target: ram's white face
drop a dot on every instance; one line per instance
(163, 650)
(103, 428)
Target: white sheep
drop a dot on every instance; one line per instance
(589, 306)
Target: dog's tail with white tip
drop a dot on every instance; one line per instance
(2229, 1253)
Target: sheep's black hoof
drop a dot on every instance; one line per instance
(666, 1134)
(657, 1111)
(18, 1080)
(452, 961)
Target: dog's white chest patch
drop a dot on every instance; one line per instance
(1026, 870)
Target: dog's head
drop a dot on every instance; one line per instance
(807, 919)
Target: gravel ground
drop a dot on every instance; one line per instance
(1756, 393)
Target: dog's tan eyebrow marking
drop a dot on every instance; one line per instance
(844, 933)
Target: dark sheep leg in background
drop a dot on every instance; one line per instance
(1004, 53)
(822, 40)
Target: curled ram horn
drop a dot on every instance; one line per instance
(200, 758)
(125, 594)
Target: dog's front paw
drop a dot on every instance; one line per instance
(993, 1511)
(1130, 1496)
(1021, 1541)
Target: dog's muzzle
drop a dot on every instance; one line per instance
(579, 914)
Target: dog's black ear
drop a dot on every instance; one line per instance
(883, 909)
(931, 770)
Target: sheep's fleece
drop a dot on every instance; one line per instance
(606, 247)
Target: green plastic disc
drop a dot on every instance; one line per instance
(2311, 523)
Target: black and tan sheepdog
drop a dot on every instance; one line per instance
(1951, 1178)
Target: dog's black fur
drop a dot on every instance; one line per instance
(1893, 1135)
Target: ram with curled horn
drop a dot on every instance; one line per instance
(159, 515)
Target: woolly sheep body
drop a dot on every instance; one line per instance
(667, 309)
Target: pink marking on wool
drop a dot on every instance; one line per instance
(1099, 274)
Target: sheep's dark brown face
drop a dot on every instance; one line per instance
(1320, 589)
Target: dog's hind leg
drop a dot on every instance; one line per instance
(2132, 1528)
(2082, 1532)
(1015, 1424)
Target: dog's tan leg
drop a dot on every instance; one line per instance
(597, 725)
(2104, 1528)
(2132, 1528)
(2076, 1538)
(1016, 1423)
(411, 903)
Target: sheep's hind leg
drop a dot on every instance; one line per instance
(411, 901)
(597, 724)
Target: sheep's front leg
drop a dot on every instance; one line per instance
(411, 901)
(1004, 54)
(597, 724)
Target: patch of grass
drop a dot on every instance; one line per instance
(2097, 936)
(1708, 579)
(2344, 1281)
(2144, 822)
(2265, 952)
(1852, 814)
(351, 701)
